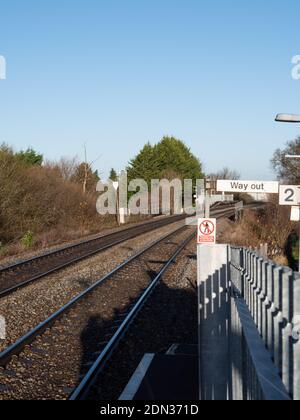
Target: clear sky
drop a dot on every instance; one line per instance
(119, 73)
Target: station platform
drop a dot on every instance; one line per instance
(172, 376)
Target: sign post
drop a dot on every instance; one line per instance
(120, 211)
(295, 214)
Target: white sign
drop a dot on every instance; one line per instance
(207, 231)
(295, 214)
(289, 195)
(249, 187)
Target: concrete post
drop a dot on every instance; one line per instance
(122, 213)
(214, 315)
(287, 346)
(296, 338)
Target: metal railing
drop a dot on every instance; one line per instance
(265, 309)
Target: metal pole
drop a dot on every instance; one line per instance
(118, 208)
(207, 206)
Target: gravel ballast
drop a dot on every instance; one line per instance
(27, 307)
(56, 361)
(169, 317)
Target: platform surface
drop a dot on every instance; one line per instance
(164, 378)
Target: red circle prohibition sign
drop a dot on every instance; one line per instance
(207, 228)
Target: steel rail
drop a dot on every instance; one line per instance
(88, 241)
(16, 348)
(136, 231)
(83, 388)
(159, 223)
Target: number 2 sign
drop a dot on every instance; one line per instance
(289, 195)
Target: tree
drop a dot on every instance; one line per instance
(30, 157)
(174, 156)
(65, 167)
(86, 177)
(144, 165)
(225, 173)
(170, 158)
(287, 170)
(113, 175)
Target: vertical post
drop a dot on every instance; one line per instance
(287, 345)
(2, 328)
(296, 337)
(264, 300)
(259, 295)
(270, 326)
(122, 213)
(207, 206)
(116, 188)
(118, 208)
(299, 249)
(278, 322)
(213, 285)
(243, 267)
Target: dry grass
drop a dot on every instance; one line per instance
(281, 260)
(40, 207)
(270, 225)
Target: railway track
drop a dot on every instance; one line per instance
(23, 273)
(60, 358)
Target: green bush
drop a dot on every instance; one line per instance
(28, 240)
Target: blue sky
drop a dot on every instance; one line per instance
(119, 73)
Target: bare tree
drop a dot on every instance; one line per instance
(88, 168)
(225, 173)
(65, 167)
(287, 170)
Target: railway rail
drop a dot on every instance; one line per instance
(21, 274)
(84, 389)
(61, 357)
(75, 332)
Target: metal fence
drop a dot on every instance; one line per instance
(265, 309)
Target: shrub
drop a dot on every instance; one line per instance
(35, 198)
(28, 240)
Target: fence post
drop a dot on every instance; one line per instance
(259, 295)
(252, 284)
(270, 309)
(242, 265)
(256, 290)
(246, 276)
(265, 301)
(249, 280)
(287, 312)
(296, 332)
(278, 318)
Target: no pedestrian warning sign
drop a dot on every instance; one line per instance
(207, 231)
